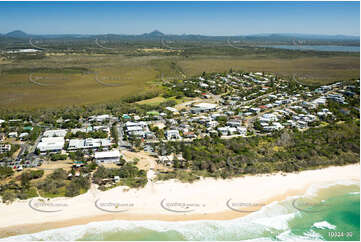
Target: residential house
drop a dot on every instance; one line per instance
(13, 135)
(112, 156)
(5, 148)
(172, 134)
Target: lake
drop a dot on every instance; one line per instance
(317, 47)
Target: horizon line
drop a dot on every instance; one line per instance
(210, 35)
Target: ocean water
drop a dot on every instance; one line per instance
(329, 212)
(317, 47)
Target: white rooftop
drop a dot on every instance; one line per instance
(88, 143)
(55, 133)
(206, 105)
(51, 143)
(107, 154)
(171, 109)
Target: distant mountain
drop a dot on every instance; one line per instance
(156, 35)
(17, 34)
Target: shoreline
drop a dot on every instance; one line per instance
(213, 195)
(227, 215)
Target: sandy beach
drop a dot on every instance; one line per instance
(167, 200)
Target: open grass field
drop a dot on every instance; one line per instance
(310, 70)
(94, 79)
(77, 79)
(153, 101)
(158, 100)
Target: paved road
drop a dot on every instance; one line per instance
(121, 142)
(259, 97)
(37, 141)
(35, 46)
(22, 150)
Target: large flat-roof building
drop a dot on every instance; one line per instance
(99, 118)
(76, 144)
(51, 144)
(203, 107)
(112, 156)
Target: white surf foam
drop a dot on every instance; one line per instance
(307, 236)
(324, 225)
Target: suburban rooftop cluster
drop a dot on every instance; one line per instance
(224, 105)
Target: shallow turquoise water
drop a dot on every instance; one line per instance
(338, 212)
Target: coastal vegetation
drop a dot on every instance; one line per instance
(285, 151)
(71, 183)
(129, 175)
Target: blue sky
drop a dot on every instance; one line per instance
(210, 18)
